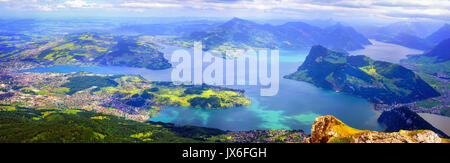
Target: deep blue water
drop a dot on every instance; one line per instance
(295, 106)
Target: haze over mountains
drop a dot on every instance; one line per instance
(440, 35)
(419, 29)
(177, 28)
(441, 51)
(434, 62)
(240, 33)
(415, 35)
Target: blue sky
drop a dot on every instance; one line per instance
(390, 10)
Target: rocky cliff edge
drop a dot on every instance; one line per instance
(329, 129)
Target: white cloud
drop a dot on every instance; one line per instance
(60, 6)
(79, 4)
(44, 8)
(439, 9)
(150, 5)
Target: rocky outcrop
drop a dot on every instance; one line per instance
(328, 129)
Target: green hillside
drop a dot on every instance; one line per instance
(435, 62)
(24, 125)
(379, 82)
(95, 49)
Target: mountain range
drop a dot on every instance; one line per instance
(440, 51)
(415, 35)
(378, 81)
(419, 29)
(177, 28)
(240, 33)
(440, 35)
(435, 62)
(410, 41)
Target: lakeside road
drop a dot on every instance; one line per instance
(440, 122)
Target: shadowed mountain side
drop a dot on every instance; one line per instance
(440, 35)
(404, 119)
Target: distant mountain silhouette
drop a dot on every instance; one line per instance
(410, 41)
(418, 29)
(441, 34)
(345, 37)
(434, 62)
(240, 33)
(178, 28)
(407, 34)
(441, 51)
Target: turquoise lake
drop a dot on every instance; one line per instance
(295, 106)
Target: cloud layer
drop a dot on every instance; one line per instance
(384, 9)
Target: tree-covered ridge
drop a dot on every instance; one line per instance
(379, 82)
(243, 34)
(77, 48)
(403, 118)
(92, 49)
(133, 53)
(132, 97)
(56, 125)
(261, 136)
(27, 125)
